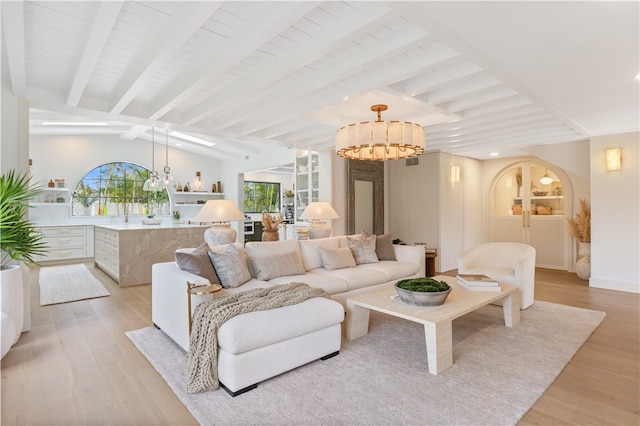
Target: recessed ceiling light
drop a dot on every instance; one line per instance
(74, 123)
(494, 154)
(191, 138)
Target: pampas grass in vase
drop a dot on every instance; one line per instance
(580, 228)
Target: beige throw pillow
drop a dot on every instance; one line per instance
(384, 246)
(363, 249)
(336, 258)
(276, 265)
(231, 266)
(197, 262)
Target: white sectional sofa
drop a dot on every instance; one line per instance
(314, 262)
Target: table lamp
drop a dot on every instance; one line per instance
(219, 213)
(318, 212)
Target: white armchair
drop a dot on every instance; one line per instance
(508, 263)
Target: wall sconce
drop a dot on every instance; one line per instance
(454, 174)
(614, 161)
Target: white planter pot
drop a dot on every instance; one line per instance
(12, 306)
(583, 265)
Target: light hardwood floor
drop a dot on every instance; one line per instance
(76, 366)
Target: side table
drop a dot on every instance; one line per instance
(193, 289)
(430, 262)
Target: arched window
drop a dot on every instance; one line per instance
(116, 189)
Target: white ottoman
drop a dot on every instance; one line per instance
(259, 345)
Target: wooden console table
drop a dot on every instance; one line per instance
(430, 262)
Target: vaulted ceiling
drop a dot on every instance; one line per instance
(481, 77)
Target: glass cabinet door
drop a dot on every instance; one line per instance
(528, 207)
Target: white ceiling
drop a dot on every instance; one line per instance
(481, 77)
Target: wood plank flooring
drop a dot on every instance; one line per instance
(76, 366)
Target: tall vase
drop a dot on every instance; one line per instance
(583, 265)
(271, 235)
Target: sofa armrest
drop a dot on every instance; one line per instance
(169, 300)
(411, 254)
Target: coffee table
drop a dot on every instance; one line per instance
(437, 320)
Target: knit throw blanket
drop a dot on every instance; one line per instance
(208, 317)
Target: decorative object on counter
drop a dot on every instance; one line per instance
(288, 193)
(219, 186)
(179, 187)
(176, 215)
(186, 187)
(61, 183)
(302, 233)
(48, 199)
(214, 188)
(424, 291)
(51, 184)
(380, 140)
(219, 213)
(270, 226)
(60, 199)
(580, 229)
(19, 242)
(318, 212)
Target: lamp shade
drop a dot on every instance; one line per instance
(219, 211)
(319, 210)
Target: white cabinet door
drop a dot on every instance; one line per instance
(528, 210)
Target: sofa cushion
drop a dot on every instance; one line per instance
(393, 269)
(231, 266)
(270, 266)
(197, 262)
(309, 251)
(254, 330)
(363, 248)
(384, 246)
(357, 277)
(336, 258)
(332, 285)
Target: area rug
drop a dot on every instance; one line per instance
(68, 283)
(382, 378)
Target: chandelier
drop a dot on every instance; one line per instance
(153, 184)
(380, 140)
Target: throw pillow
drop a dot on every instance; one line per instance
(363, 249)
(275, 265)
(197, 262)
(231, 266)
(384, 246)
(336, 258)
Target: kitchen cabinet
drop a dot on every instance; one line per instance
(528, 211)
(66, 242)
(307, 180)
(126, 252)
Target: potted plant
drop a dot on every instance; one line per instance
(423, 291)
(19, 241)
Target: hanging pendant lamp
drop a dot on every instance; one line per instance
(380, 140)
(153, 184)
(168, 177)
(546, 179)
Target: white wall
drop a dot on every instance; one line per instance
(615, 213)
(71, 157)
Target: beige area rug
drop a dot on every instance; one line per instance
(68, 283)
(382, 378)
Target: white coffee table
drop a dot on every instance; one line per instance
(437, 320)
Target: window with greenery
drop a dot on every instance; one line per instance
(116, 189)
(261, 196)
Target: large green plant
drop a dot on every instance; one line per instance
(19, 239)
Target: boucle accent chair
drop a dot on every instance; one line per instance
(508, 263)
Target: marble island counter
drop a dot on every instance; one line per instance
(126, 251)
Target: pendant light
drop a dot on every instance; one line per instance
(168, 177)
(380, 140)
(546, 179)
(153, 184)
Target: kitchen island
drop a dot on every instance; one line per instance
(126, 251)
